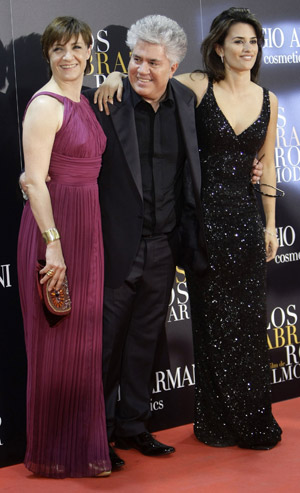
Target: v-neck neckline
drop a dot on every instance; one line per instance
(227, 121)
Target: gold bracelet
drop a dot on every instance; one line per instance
(50, 235)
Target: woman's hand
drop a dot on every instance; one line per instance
(271, 243)
(55, 266)
(257, 171)
(106, 92)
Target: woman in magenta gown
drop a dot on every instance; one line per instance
(66, 431)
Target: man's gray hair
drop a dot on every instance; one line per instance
(160, 30)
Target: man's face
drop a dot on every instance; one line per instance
(149, 71)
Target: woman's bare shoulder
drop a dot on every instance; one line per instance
(42, 103)
(273, 98)
(44, 114)
(196, 81)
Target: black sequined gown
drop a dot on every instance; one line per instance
(228, 307)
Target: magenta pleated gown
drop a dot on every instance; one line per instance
(66, 431)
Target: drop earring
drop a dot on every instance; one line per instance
(222, 59)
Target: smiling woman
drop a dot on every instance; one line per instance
(240, 45)
(68, 60)
(60, 32)
(62, 138)
(236, 119)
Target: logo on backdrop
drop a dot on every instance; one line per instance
(109, 53)
(282, 334)
(179, 301)
(287, 152)
(286, 240)
(282, 44)
(5, 276)
(167, 380)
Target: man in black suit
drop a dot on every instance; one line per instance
(149, 186)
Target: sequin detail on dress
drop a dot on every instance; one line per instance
(233, 401)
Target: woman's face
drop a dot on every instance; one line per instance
(240, 47)
(68, 60)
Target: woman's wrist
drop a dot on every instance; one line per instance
(271, 231)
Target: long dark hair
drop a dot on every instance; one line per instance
(213, 65)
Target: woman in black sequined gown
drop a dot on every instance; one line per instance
(228, 307)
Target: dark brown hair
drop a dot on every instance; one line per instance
(213, 65)
(62, 29)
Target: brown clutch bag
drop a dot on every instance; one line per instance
(56, 303)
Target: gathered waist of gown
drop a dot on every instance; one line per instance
(77, 171)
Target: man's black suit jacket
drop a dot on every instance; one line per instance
(120, 186)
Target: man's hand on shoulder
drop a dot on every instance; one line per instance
(23, 184)
(105, 93)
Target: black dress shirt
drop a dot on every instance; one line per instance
(162, 157)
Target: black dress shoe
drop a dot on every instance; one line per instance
(144, 443)
(116, 461)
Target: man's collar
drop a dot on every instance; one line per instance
(166, 98)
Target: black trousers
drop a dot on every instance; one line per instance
(133, 318)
